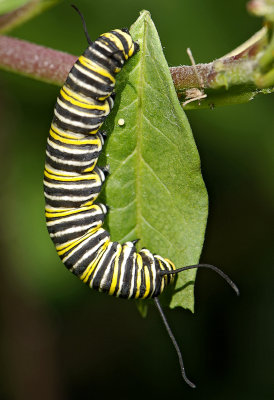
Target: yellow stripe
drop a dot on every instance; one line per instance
(129, 41)
(90, 268)
(131, 50)
(95, 68)
(81, 104)
(76, 95)
(172, 267)
(90, 168)
(170, 263)
(115, 271)
(47, 168)
(72, 178)
(77, 142)
(89, 203)
(64, 213)
(117, 42)
(139, 280)
(164, 281)
(63, 248)
(147, 280)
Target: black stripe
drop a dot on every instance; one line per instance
(95, 59)
(148, 261)
(125, 290)
(73, 116)
(88, 221)
(104, 87)
(112, 247)
(108, 63)
(93, 111)
(123, 41)
(159, 278)
(79, 252)
(75, 129)
(120, 261)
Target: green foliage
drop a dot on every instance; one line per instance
(14, 18)
(155, 190)
(11, 5)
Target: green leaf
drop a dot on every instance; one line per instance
(17, 14)
(10, 5)
(155, 189)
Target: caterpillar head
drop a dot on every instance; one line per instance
(120, 46)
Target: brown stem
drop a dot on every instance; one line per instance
(233, 78)
(35, 61)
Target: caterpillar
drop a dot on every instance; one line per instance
(73, 181)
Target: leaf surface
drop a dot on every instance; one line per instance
(155, 189)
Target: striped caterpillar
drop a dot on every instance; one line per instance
(73, 181)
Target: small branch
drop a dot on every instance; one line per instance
(22, 14)
(35, 61)
(234, 78)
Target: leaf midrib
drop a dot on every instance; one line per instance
(139, 127)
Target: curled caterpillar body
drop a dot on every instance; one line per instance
(72, 181)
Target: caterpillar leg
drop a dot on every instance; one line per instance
(175, 344)
(104, 134)
(106, 170)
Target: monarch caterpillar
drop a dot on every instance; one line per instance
(73, 181)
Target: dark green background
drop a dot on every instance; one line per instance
(59, 340)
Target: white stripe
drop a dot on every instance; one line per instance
(98, 53)
(71, 230)
(71, 241)
(76, 123)
(71, 186)
(91, 75)
(71, 198)
(74, 217)
(163, 284)
(70, 150)
(87, 86)
(105, 275)
(102, 45)
(89, 252)
(85, 98)
(103, 207)
(68, 162)
(80, 245)
(151, 267)
(133, 276)
(60, 172)
(110, 50)
(127, 247)
(73, 134)
(75, 111)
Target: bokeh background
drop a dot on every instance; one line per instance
(60, 340)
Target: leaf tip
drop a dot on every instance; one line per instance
(145, 13)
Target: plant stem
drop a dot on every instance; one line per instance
(37, 62)
(234, 78)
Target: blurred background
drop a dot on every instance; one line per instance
(60, 340)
